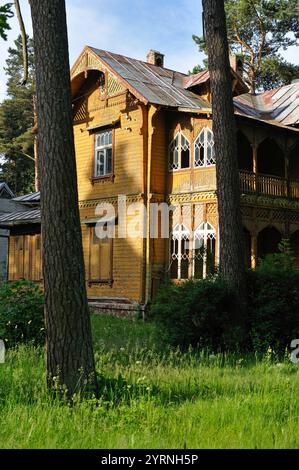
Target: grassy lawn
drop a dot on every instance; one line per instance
(152, 398)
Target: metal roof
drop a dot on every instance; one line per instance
(4, 187)
(280, 105)
(157, 85)
(20, 218)
(32, 197)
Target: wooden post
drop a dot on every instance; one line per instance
(254, 164)
(287, 174)
(253, 254)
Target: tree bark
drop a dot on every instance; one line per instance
(232, 265)
(70, 359)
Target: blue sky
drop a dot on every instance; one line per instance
(129, 27)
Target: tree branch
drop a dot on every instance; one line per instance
(24, 41)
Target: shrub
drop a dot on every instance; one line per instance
(198, 313)
(274, 301)
(21, 313)
(204, 313)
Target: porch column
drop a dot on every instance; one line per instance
(253, 249)
(287, 174)
(254, 164)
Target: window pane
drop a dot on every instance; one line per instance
(185, 159)
(100, 160)
(108, 161)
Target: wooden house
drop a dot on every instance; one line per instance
(145, 132)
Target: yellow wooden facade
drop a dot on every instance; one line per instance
(124, 268)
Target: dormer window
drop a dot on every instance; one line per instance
(179, 153)
(204, 153)
(103, 154)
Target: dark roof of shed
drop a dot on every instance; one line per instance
(20, 218)
(32, 197)
(158, 85)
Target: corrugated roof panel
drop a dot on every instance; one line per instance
(32, 197)
(156, 84)
(16, 218)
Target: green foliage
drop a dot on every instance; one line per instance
(204, 313)
(198, 313)
(283, 261)
(275, 72)
(258, 30)
(21, 313)
(16, 123)
(198, 68)
(5, 14)
(274, 301)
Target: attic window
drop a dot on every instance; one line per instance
(179, 153)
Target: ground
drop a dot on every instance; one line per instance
(152, 397)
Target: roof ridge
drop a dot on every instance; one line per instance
(137, 60)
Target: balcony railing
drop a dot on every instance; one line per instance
(268, 185)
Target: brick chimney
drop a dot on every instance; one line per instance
(155, 58)
(236, 63)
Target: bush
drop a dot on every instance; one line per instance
(204, 313)
(273, 291)
(198, 313)
(21, 313)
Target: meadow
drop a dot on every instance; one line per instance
(152, 397)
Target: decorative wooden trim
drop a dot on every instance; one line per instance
(90, 203)
(101, 281)
(103, 179)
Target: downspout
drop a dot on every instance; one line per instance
(153, 110)
(144, 133)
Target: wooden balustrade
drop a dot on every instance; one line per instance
(250, 183)
(268, 185)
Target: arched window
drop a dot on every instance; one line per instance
(179, 152)
(204, 249)
(204, 154)
(180, 252)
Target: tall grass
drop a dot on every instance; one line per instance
(152, 397)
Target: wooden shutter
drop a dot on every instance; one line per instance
(100, 258)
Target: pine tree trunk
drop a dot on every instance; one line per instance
(68, 330)
(230, 223)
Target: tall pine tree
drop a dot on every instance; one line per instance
(230, 223)
(17, 123)
(259, 30)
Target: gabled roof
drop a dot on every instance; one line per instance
(152, 84)
(165, 87)
(20, 218)
(28, 198)
(204, 76)
(280, 105)
(5, 189)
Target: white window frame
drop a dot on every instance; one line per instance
(104, 149)
(197, 145)
(204, 232)
(171, 148)
(180, 233)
